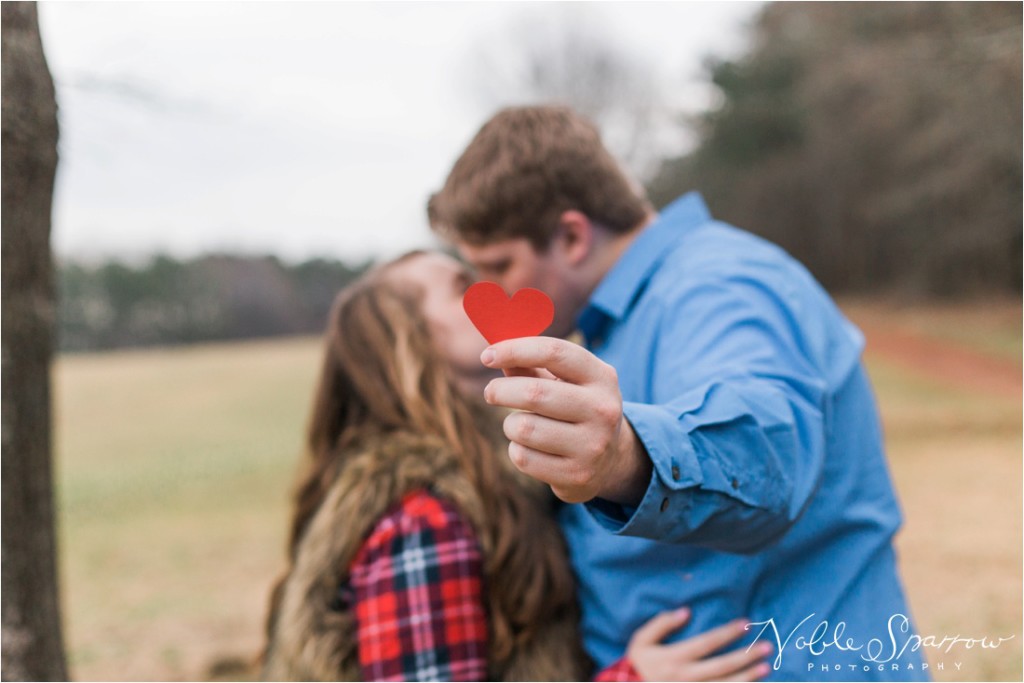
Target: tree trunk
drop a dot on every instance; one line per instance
(32, 645)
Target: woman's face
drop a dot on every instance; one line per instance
(443, 281)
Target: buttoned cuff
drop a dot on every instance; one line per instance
(674, 476)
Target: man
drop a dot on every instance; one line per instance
(718, 431)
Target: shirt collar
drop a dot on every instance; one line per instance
(619, 287)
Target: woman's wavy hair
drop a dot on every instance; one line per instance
(382, 374)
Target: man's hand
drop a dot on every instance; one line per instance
(573, 436)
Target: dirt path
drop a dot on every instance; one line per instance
(938, 358)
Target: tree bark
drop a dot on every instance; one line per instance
(32, 644)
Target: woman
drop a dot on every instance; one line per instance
(417, 550)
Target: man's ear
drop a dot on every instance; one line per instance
(575, 236)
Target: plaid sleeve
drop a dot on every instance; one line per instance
(619, 670)
(418, 596)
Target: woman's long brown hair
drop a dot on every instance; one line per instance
(382, 374)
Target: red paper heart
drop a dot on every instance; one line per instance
(528, 312)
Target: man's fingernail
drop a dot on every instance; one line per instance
(487, 357)
(682, 613)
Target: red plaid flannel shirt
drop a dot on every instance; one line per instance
(416, 589)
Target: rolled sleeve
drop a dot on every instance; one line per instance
(738, 455)
(674, 474)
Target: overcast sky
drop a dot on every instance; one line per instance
(298, 129)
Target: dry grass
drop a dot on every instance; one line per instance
(174, 467)
(956, 459)
(173, 471)
(990, 327)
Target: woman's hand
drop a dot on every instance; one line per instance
(690, 659)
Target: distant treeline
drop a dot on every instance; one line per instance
(167, 301)
(879, 143)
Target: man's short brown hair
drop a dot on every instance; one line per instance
(523, 169)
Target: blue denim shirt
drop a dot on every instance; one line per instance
(770, 497)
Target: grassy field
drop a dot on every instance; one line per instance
(174, 468)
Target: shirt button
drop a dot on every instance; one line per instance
(664, 504)
(735, 483)
(675, 472)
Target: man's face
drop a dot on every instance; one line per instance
(515, 264)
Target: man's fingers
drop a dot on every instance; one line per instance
(660, 627)
(731, 663)
(537, 464)
(557, 400)
(751, 673)
(528, 372)
(556, 471)
(522, 372)
(711, 641)
(544, 434)
(563, 359)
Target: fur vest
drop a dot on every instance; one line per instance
(310, 640)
